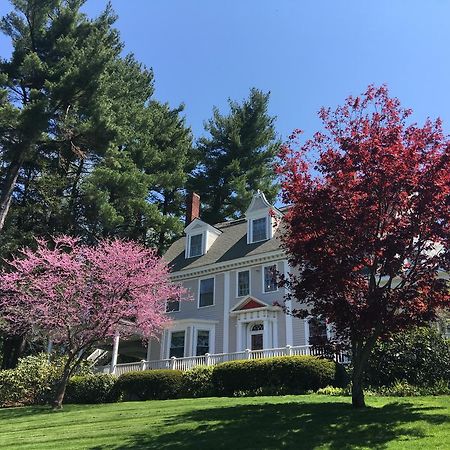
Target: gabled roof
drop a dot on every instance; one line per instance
(249, 302)
(230, 244)
(199, 224)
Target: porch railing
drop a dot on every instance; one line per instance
(189, 362)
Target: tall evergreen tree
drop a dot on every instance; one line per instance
(237, 158)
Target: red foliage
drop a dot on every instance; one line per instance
(369, 223)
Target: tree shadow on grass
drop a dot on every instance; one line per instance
(289, 425)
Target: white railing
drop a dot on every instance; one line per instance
(213, 359)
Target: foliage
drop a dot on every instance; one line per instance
(333, 391)
(79, 295)
(197, 382)
(92, 388)
(33, 380)
(368, 226)
(419, 356)
(237, 159)
(150, 384)
(279, 375)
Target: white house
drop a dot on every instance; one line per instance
(229, 270)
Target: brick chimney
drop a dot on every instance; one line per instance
(192, 207)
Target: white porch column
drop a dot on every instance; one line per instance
(306, 325)
(266, 334)
(289, 322)
(275, 332)
(149, 349)
(115, 353)
(239, 330)
(226, 311)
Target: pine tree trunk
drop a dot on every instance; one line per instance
(13, 347)
(8, 188)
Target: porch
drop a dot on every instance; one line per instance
(189, 362)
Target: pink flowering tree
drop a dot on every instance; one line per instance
(79, 295)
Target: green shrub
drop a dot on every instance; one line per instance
(280, 375)
(197, 382)
(334, 391)
(405, 389)
(419, 356)
(92, 388)
(150, 384)
(31, 382)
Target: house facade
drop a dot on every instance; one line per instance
(229, 272)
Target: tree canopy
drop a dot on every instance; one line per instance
(78, 295)
(236, 159)
(368, 226)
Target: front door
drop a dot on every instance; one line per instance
(257, 341)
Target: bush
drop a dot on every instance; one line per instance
(100, 388)
(150, 384)
(280, 375)
(197, 382)
(405, 389)
(419, 356)
(334, 391)
(31, 382)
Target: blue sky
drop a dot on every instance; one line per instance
(307, 53)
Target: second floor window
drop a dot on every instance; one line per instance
(243, 283)
(206, 296)
(195, 247)
(172, 305)
(270, 278)
(259, 229)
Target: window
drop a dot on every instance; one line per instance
(177, 344)
(195, 246)
(317, 331)
(259, 229)
(206, 296)
(270, 278)
(202, 342)
(172, 306)
(243, 283)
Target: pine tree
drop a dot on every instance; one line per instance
(237, 158)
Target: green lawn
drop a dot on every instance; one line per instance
(308, 421)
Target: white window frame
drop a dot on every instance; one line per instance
(249, 282)
(267, 219)
(202, 249)
(263, 278)
(169, 342)
(212, 337)
(214, 292)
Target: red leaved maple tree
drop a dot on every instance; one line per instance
(79, 295)
(368, 228)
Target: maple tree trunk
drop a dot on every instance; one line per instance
(360, 356)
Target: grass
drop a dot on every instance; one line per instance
(300, 422)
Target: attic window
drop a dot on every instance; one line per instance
(195, 245)
(259, 229)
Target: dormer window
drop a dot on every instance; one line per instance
(259, 229)
(195, 245)
(262, 219)
(199, 238)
